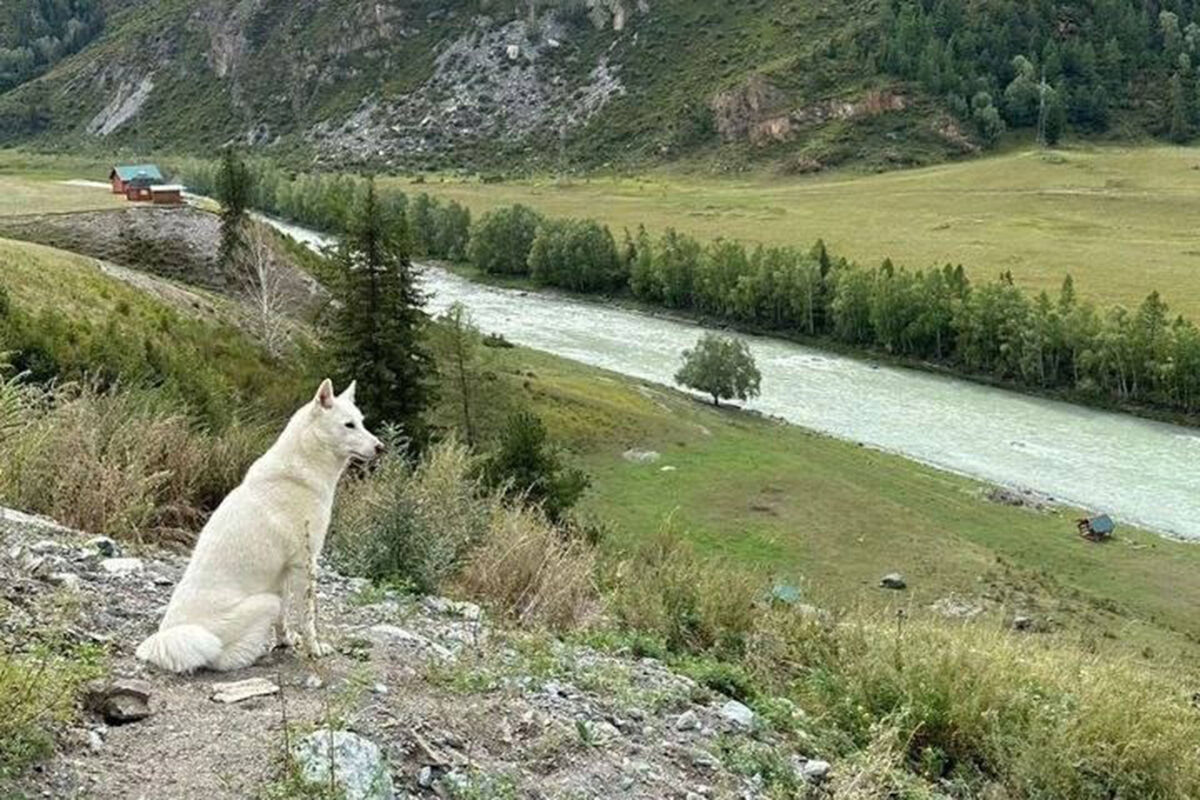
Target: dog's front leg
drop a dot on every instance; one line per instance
(303, 581)
(285, 636)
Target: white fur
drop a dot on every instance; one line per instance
(258, 551)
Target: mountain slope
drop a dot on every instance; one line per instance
(550, 84)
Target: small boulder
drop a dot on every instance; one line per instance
(687, 721)
(67, 580)
(893, 580)
(123, 567)
(1022, 623)
(357, 764)
(119, 702)
(738, 713)
(815, 770)
(104, 547)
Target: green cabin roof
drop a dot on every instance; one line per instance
(139, 172)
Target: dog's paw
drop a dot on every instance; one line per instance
(318, 649)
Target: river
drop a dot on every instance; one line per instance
(1142, 472)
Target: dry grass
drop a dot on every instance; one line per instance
(122, 463)
(533, 572)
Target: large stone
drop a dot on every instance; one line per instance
(121, 701)
(738, 713)
(893, 580)
(359, 769)
(237, 691)
(815, 770)
(393, 634)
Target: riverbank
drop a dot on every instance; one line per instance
(626, 302)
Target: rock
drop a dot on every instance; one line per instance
(954, 608)
(313, 682)
(513, 51)
(379, 688)
(67, 580)
(893, 580)
(738, 713)
(95, 740)
(119, 702)
(454, 608)
(358, 767)
(45, 546)
(425, 777)
(815, 770)
(635, 456)
(687, 721)
(237, 691)
(104, 546)
(122, 567)
(385, 633)
(1022, 623)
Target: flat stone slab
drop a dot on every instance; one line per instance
(237, 691)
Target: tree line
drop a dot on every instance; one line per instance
(1023, 63)
(995, 329)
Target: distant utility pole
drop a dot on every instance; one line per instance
(1041, 127)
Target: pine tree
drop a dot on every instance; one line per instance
(1177, 110)
(379, 325)
(234, 185)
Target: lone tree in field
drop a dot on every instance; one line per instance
(378, 323)
(720, 366)
(234, 185)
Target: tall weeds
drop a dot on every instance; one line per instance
(122, 463)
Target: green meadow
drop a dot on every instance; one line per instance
(1121, 220)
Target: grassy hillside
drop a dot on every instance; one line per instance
(836, 517)
(1117, 219)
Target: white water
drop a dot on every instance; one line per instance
(1142, 472)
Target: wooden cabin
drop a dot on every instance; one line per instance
(134, 176)
(166, 194)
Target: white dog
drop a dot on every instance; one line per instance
(258, 552)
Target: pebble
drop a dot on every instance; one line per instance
(313, 682)
(687, 721)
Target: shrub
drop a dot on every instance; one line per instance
(501, 240)
(526, 466)
(411, 525)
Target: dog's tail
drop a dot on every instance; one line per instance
(183, 648)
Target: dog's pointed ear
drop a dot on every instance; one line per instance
(348, 393)
(324, 397)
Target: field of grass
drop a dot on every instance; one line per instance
(1119, 219)
(835, 517)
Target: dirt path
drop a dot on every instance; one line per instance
(460, 708)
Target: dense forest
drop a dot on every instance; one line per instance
(1022, 63)
(34, 34)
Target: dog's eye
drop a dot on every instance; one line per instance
(350, 425)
